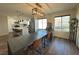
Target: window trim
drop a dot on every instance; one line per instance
(62, 15)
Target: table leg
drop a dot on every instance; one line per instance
(9, 51)
(44, 41)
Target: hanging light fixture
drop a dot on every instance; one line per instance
(37, 12)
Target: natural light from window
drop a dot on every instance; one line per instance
(62, 23)
(40, 24)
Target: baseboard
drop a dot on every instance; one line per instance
(60, 37)
(6, 34)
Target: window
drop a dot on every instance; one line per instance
(62, 23)
(41, 24)
(65, 23)
(58, 23)
(44, 23)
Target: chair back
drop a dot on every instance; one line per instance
(49, 35)
(36, 44)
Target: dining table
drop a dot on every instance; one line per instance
(17, 43)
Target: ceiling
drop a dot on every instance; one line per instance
(26, 8)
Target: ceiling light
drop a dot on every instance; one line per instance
(36, 11)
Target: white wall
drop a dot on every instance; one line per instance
(77, 39)
(10, 23)
(71, 12)
(3, 25)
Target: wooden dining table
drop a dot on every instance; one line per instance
(17, 43)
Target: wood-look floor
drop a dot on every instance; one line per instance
(3, 45)
(57, 47)
(63, 47)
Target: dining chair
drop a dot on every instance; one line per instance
(47, 39)
(35, 47)
(49, 36)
